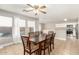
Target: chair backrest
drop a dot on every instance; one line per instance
(52, 33)
(48, 37)
(31, 34)
(26, 42)
(34, 34)
(40, 32)
(37, 33)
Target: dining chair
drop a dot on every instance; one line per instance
(37, 33)
(46, 45)
(52, 39)
(31, 34)
(29, 47)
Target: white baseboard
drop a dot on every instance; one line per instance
(4, 45)
(60, 38)
(11, 43)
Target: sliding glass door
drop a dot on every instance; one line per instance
(5, 29)
(31, 26)
(22, 26)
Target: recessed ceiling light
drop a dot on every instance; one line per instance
(65, 19)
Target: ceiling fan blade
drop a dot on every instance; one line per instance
(43, 11)
(42, 7)
(27, 10)
(30, 5)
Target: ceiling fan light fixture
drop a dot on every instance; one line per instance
(36, 9)
(65, 19)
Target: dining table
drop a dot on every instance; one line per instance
(39, 39)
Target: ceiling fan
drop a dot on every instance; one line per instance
(35, 8)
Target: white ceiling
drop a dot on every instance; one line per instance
(55, 12)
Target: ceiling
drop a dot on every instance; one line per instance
(55, 12)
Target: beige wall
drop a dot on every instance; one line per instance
(60, 29)
(49, 27)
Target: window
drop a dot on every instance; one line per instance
(31, 26)
(39, 27)
(5, 26)
(22, 26)
(5, 21)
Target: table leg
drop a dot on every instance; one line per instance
(39, 48)
(50, 46)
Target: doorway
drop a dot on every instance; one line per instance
(69, 31)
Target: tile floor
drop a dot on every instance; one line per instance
(62, 47)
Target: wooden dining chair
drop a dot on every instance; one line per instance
(29, 47)
(52, 41)
(46, 45)
(31, 34)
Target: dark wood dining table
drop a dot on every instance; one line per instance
(38, 40)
